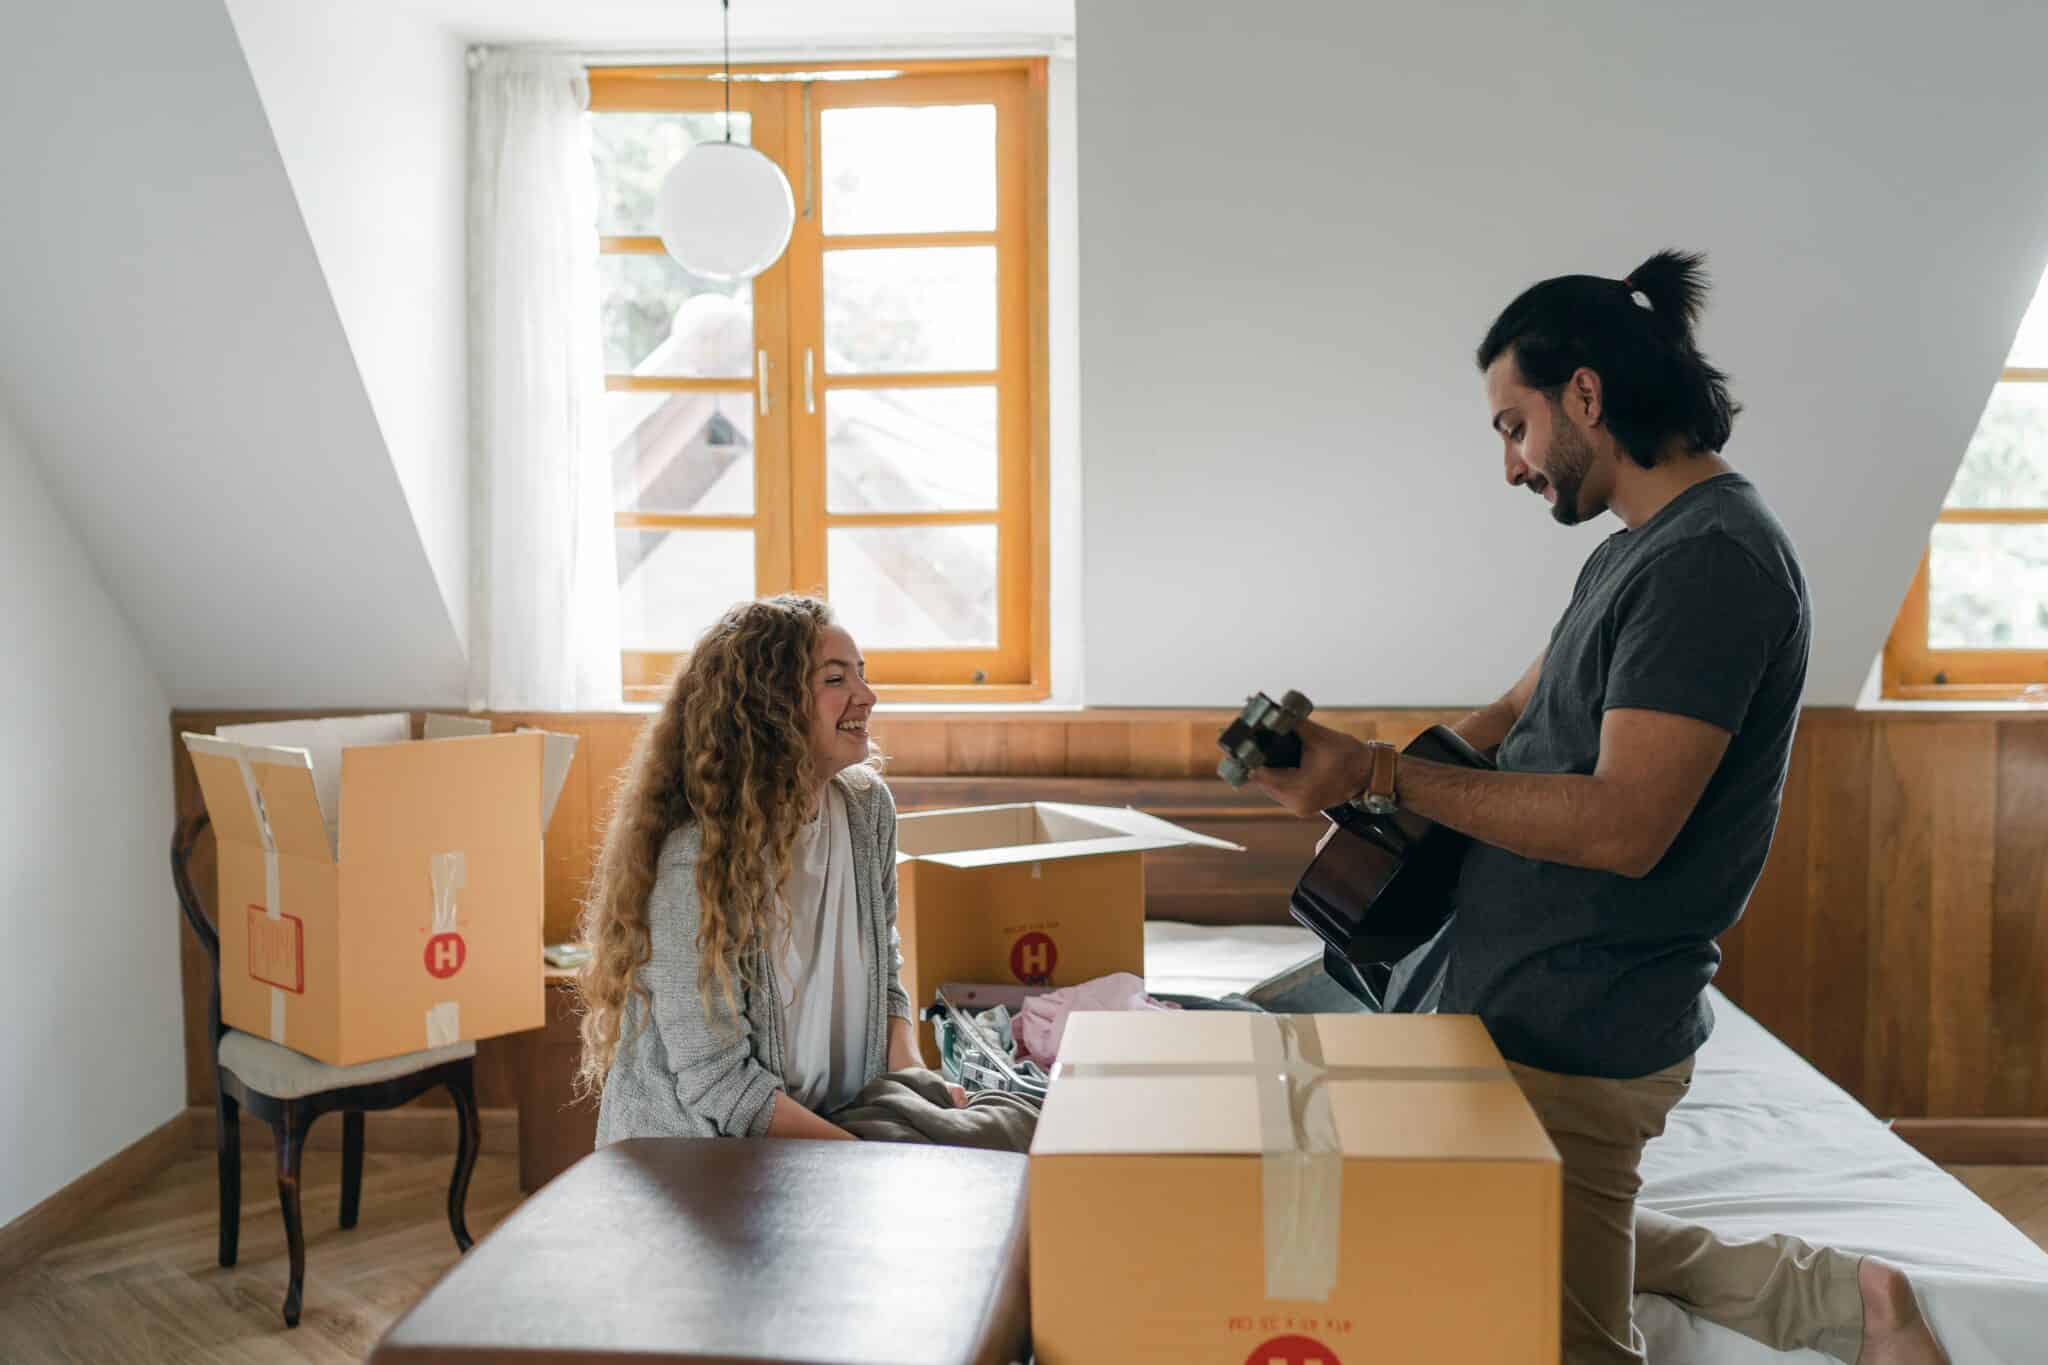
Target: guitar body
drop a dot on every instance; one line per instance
(1380, 887)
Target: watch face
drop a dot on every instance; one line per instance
(1379, 805)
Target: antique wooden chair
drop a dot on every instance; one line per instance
(289, 1090)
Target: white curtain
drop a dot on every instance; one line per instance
(544, 607)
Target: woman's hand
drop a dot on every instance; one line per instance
(1334, 768)
(959, 1095)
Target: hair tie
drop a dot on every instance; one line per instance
(1637, 296)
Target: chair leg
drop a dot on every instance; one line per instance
(227, 1141)
(290, 1131)
(468, 1139)
(351, 1166)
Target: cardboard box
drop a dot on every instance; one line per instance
(379, 895)
(1253, 1188)
(1039, 894)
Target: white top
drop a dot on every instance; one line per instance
(823, 973)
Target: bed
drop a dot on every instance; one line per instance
(1764, 1143)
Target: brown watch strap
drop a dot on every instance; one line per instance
(1379, 783)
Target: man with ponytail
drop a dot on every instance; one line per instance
(1641, 760)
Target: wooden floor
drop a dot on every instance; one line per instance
(140, 1283)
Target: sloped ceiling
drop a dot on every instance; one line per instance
(1296, 226)
(171, 350)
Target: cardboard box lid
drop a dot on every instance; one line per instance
(1428, 1087)
(1037, 831)
(298, 766)
(559, 752)
(283, 800)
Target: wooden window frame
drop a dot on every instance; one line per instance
(790, 520)
(1913, 671)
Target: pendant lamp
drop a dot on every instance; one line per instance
(725, 211)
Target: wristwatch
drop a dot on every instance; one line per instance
(1377, 797)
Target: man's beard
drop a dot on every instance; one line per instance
(1571, 455)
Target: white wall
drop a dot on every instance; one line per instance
(91, 1047)
(368, 109)
(1297, 224)
(170, 343)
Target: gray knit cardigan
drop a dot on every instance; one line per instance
(704, 1073)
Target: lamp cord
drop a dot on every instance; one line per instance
(725, 8)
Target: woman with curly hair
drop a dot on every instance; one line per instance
(745, 967)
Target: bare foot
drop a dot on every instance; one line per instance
(1894, 1333)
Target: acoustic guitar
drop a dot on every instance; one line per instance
(1379, 888)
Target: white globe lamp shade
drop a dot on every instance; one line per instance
(725, 211)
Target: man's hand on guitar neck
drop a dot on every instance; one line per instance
(1334, 768)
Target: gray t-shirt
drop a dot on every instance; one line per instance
(1701, 611)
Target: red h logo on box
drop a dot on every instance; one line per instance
(1293, 1351)
(1032, 958)
(445, 955)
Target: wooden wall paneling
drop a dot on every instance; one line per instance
(1836, 896)
(1037, 750)
(913, 746)
(2018, 1004)
(1163, 748)
(1902, 869)
(1898, 936)
(1775, 972)
(972, 749)
(1096, 749)
(1965, 783)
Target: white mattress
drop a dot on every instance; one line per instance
(1764, 1143)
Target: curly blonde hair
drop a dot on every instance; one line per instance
(730, 750)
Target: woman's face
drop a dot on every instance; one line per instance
(840, 702)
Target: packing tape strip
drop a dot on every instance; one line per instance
(449, 873)
(270, 880)
(1301, 1165)
(444, 1023)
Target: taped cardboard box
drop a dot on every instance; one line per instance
(1038, 894)
(379, 895)
(1229, 1187)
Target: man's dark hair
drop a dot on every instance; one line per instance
(1654, 383)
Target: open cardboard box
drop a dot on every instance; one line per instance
(379, 895)
(1040, 893)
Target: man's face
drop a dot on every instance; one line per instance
(1545, 450)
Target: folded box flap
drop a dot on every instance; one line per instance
(287, 799)
(438, 725)
(1137, 824)
(1012, 854)
(323, 739)
(558, 753)
(417, 799)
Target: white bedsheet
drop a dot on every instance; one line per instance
(1764, 1143)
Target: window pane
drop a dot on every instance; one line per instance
(2030, 347)
(633, 154)
(2007, 462)
(1987, 587)
(910, 450)
(915, 587)
(928, 169)
(681, 452)
(674, 584)
(913, 310)
(659, 319)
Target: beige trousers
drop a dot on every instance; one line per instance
(1777, 1290)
